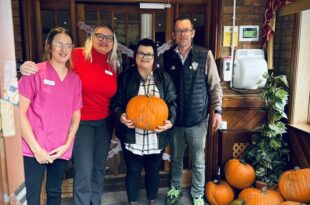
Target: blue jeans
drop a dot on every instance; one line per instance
(34, 173)
(90, 154)
(195, 138)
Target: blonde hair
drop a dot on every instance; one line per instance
(48, 44)
(112, 55)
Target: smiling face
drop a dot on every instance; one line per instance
(61, 48)
(145, 57)
(183, 33)
(103, 40)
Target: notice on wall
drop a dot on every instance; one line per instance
(7, 116)
(227, 38)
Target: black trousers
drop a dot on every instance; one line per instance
(34, 173)
(89, 158)
(135, 163)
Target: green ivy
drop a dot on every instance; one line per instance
(268, 152)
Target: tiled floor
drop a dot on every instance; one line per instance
(120, 198)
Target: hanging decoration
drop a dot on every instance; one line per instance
(271, 9)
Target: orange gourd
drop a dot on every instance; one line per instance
(239, 174)
(147, 112)
(253, 196)
(219, 192)
(294, 185)
(291, 203)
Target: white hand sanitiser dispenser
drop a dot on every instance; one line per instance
(249, 67)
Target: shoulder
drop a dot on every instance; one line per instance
(199, 49)
(77, 53)
(162, 74)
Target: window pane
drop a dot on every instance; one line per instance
(48, 22)
(63, 19)
(106, 17)
(91, 18)
(198, 20)
(120, 26)
(133, 28)
(160, 26)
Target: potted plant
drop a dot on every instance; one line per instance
(268, 152)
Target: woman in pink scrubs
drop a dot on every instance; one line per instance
(50, 103)
(96, 64)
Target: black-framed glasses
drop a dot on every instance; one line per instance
(184, 31)
(101, 37)
(62, 45)
(148, 56)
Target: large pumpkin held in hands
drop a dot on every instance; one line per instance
(294, 185)
(147, 112)
(239, 174)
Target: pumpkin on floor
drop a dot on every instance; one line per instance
(239, 174)
(147, 112)
(291, 203)
(219, 192)
(238, 202)
(253, 196)
(294, 185)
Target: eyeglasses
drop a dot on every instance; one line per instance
(184, 31)
(148, 56)
(62, 45)
(101, 37)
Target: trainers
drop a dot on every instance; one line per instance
(199, 201)
(173, 196)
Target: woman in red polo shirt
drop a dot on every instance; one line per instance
(96, 64)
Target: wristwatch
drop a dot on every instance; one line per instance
(218, 112)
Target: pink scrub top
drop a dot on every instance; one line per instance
(52, 103)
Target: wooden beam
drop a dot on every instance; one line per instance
(295, 7)
(73, 21)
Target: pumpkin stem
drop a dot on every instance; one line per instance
(264, 190)
(296, 168)
(216, 181)
(242, 161)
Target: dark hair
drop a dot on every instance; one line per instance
(48, 43)
(182, 18)
(147, 42)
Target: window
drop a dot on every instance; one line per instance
(301, 84)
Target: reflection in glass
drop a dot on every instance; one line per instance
(160, 25)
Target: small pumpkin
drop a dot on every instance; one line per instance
(239, 174)
(238, 202)
(219, 192)
(147, 112)
(294, 185)
(253, 196)
(291, 203)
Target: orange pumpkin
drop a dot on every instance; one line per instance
(291, 203)
(294, 185)
(239, 174)
(147, 112)
(253, 196)
(219, 192)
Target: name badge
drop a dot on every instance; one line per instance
(108, 72)
(49, 82)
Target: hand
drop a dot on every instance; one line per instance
(28, 68)
(42, 156)
(165, 127)
(58, 152)
(217, 121)
(129, 123)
